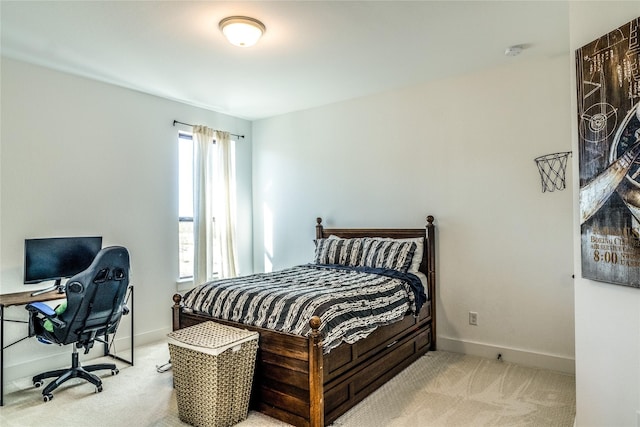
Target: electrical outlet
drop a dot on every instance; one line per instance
(473, 318)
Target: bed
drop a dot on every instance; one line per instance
(299, 382)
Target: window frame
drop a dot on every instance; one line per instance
(182, 219)
(186, 136)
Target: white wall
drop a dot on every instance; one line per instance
(82, 157)
(463, 150)
(607, 316)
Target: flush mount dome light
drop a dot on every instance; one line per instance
(241, 30)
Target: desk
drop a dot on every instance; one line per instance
(24, 298)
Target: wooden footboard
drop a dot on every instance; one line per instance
(298, 384)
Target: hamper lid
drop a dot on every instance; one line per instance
(211, 337)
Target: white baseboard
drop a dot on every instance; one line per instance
(152, 336)
(513, 355)
(60, 356)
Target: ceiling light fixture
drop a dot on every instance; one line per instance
(241, 30)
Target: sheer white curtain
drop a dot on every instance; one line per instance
(203, 225)
(214, 204)
(225, 204)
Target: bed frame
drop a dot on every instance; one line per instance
(296, 383)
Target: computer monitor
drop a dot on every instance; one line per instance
(58, 258)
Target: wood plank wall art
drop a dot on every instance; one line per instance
(608, 90)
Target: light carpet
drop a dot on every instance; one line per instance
(439, 389)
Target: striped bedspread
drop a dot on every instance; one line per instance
(351, 301)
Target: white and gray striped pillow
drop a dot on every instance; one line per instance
(387, 253)
(339, 251)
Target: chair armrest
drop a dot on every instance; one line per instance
(42, 308)
(46, 311)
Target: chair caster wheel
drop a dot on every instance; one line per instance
(47, 397)
(37, 384)
(115, 372)
(99, 389)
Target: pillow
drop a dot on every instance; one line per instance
(388, 253)
(416, 260)
(417, 255)
(335, 250)
(48, 324)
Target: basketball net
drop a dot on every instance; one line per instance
(552, 169)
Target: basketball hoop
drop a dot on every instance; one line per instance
(552, 168)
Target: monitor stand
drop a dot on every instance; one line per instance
(58, 285)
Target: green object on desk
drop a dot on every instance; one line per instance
(48, 324)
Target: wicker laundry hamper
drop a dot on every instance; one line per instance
(213, 367)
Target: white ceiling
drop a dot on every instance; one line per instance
(313, 53)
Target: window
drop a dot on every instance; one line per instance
(185, 205)
(185, 208)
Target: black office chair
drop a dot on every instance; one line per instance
(95, 305)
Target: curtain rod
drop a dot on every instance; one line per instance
(187, 124)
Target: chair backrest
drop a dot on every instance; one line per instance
(96, 297)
